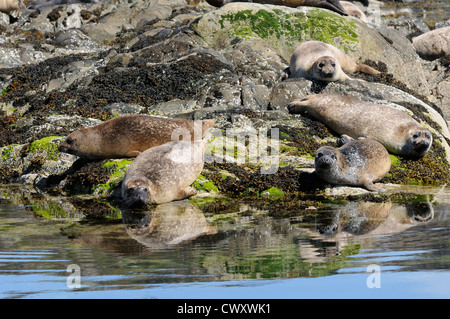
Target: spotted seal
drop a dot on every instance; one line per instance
(395, 129)
(357, 163)
(333, 5)
(163, 173)
(316, 60)
(129, 135)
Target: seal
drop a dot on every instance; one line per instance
(129, 135)
(316, 60)
(398, 132)
(163, 173)
(40, 4)
(357, 163)
(433, 44)
(333, 5)
(354, 11)
(9, 5)
(167, 225)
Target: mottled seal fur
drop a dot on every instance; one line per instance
(9, 5)
(433, 44)
(357, 163)
(129, 135)
(395, 129)
(163, 173)
(333, 5)
(316, 60)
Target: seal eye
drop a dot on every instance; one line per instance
(69, 141)
(427, 135)
(322, 64)
(416, 135)
(319, 155)
(333, 64)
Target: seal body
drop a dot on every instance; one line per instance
(357, 163)
(333, 5)
(163, 173)
(316, 60)
(9, 5)
(433, 44)
(399, 133)
(129, 135)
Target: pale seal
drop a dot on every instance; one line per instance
(357, 163)
(433, 44)
(9, 5)
(163, 173)
(316, 60)
(354, 11)
(333, 5)
(395, 129)
(129, 135)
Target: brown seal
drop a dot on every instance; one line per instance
(9, 5)
(333, 5)
(163, 173)
(316, 60)
(357, 163)
(433, 44)
(395, 129)
(129, 135)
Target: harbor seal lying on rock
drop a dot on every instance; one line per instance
(433, 44)
(333, 5)
(357, 163)
(9, 5)
(129, 135)
(316, 60)
(163, 173)
(40, 4)
(395, 129)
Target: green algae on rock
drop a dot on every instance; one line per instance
(282, 27)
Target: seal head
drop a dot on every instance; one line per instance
(419, 142)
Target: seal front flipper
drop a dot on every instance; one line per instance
(186, 193)
(369, 185)
(344, 139)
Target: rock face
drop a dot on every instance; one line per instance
(72, 65)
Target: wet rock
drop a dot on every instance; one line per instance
(75, 65)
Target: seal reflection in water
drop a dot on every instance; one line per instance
(333, 5)
(129, 135)
(357, 163)
(395, 129)
(316, 60)
(163, 173)
(9, 5)
(167, 225)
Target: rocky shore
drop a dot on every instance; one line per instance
(68, 66)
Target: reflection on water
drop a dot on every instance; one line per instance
(177, 243)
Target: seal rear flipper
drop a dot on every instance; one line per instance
(297, 106)
(336, 6)
(361, 67)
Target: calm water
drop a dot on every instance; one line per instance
(338, 250)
